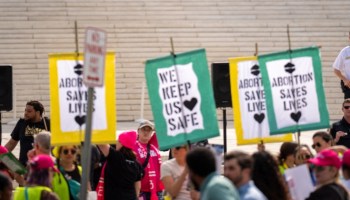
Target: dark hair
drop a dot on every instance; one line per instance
(128, 153)
(39, 177)
(201, 161)
(244, 160)
(287, 148)
(37, 106)
(267, 176)
(4, 182)
(324, 135)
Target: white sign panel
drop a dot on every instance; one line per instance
(94, 57)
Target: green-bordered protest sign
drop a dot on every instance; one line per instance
(12, 163)
(181, 98)
(294, 90)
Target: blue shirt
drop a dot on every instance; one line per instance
(216, 187)
(249, 191)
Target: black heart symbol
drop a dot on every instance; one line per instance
(295, 116)
(255, 70)
(190, 104)
(259, 117)
(80, 119)
(289, 67)
(78, 69)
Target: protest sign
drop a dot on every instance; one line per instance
(181, 98)
(295, 99)
(299, 182)
(12, 163)
(68, 101)
(248, 98)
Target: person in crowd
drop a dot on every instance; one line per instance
(5, 187)
(66, 161)
(174, 174)
(238, 167)
(268, 178)
(346, 169)
(326, 167)
(341, 67)
(201, 164)
(302, 154)
(286, 156)
(42, 146)
(122, 171)
(340, 130)
(38, 186)
(148, 155)
(25, 129)
(321, 140)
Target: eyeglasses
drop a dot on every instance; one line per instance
(72, 151)
(316, 145)
(346, 107)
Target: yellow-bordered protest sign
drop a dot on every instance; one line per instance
(68, 101)
(249, 107)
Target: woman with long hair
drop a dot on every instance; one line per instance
(38, 186)
(267, 177)
(122, 170)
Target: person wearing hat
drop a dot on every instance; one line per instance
(148, 155)
(38, 184)
(325, 167)
(122, 171)
(346, 169)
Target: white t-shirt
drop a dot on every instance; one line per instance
(173, 169)
(342, 62)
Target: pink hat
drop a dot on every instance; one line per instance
(42, 162)
(326, 157)
(128, 139)
(3, 150)
(346, 158)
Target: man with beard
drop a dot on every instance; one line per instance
(26, 128)
(202, 172)
(237, 168)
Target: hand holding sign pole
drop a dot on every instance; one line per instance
(93, 75)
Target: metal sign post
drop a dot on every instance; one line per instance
(93, 75)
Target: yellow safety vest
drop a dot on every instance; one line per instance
(33, 193)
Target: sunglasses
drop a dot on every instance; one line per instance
(346, 107)
(72, 151)
(316, 145)
(304, 157)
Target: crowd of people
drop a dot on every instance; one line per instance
(132, 168)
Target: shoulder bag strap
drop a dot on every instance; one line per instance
(148, 155)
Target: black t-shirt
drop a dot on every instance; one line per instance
(75, 174)
(120, 176)
(24, 132)
(344, 126)
(330, 191)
